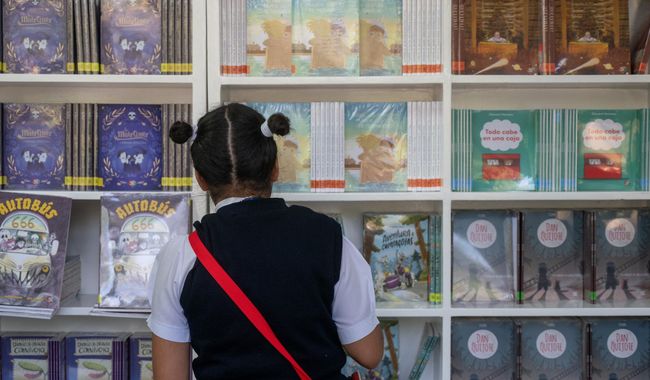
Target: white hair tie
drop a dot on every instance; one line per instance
(195, 129)
(266, 131)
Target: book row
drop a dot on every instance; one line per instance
(96, 36)
(556, 348)
(76, 356)
(93, 147)
(330, 38)
(372, 147)
(550, 37)
(550, 150)
(545, 257)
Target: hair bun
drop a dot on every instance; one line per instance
(279, 124)
(180, 132)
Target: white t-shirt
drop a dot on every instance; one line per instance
(353, 308)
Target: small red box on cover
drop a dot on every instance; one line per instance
(501, 167)
(603, 166)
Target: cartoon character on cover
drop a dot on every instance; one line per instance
(278, 45)
(133, 51)
(288, 161)
(378, 162)
(374, 47)
(497, 38)
(404, 272)
(328, 47)
(587, 38)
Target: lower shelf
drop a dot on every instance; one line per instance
(84, 305)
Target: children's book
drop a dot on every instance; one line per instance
(96, 356)
(130, 37)
(33, 241)
(140, 355)
(30, 356)
(35, 36)
(375, 147)
(269, 35)
(133, 230)
(397, 248)
(380, 37)
(130, 147)
(34, 146)
(325, 37)
(483, 249)
(620, 348)
(428, 343)
(294, 149)
(388, 368)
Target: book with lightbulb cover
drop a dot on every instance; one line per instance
(140, 357)
(30, 355)
(134, 228)
(97, 356)
(388, 368)
(380, 37)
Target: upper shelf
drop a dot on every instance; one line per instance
(92, 195)
(332, 81)
(551, 81)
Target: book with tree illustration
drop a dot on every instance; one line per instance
(29, 355)
(96, 356)
(388, 368)
(620, 348)
(380, 37)
(269, 31)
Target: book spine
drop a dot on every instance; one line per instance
(184, 37)
(437, 39)
(548, 37)
(75, 146)
(164, 52)
(68, 145)
(457, 28)
(90, 147)
(225, 35)
(178, 154)
(69, 14)
(190, 37)
(171, 41)
(341, 147)
(411, 146)
(85, 35)
(95, 172)
(78, 32)
(83, 132)
(94, 41)
(178, 36)
(406, 37)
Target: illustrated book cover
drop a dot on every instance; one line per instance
(30, 356)
(96, 356)
(380, 37)
(140, 351)
(269, 37)
(620, 348)
(388, 368)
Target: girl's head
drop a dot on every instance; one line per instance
(231, 154)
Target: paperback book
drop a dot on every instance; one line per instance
(133, 230)
(380, 37)
(388, 368)
(140, 356)
(96, 356)
(269, 37)
(29, 356)
(620, 349)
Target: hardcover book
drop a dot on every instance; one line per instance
(34, 146)
(294, 149)
(96, 356)
(130, 37)
(325, 37)
(380, 37)
(397, 248)
(375, 147)
(35, 36)
(483, 250)
(133, 230)
(620, 349)
(29, 356)
(551, 349)
(483, 349)
(33, 241)
(552, 256)
(130, 147)
(269, 32)
(388, 368)
(140, 364)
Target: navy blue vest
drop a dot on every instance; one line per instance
(287, 261)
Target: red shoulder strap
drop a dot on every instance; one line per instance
(241, 300)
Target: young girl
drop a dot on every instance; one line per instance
(309, 282)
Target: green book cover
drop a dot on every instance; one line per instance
(608, 150)
(268, 45)
(380, 39)
(326, 37)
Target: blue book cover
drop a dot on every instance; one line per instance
(34, 146)
(620, 349)
(388, 368)
(35, 36)
(140, 365)
(130, 37)
(96, 356)
(32, 356)
(130, 147)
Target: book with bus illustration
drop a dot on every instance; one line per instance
(388, 368)
(268, 33)
(99, 356)
(140, 359)
(620, 348)
(32, 356)
(380, 37)
(133, 230)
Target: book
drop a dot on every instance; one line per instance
(388, 368)
(428, 343)
(552, 256)
(34, 146)
(483, 251)
(325, 37)
(140, 355)
(380, 37)
(96, 356)
(130, 147)
(375, 147)
(642, 56)
(435, 260)
(397, 248)
(327, 143)
(551, 349)
(133, 230)
(268, 38)
(483, 349)
(496, 37)
(620, 348)
(33, 242)
(294, 149)
(35, 36)
(130, 37)
(30, 355)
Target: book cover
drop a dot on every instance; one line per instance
(388, 368)
(496, 37)
(375, 147)
(608, 150)
(294, 149)
(397, 248)
(130, 147)
(380, 37)
(33, 241)
(35, 36)
(551, 349)
(133, 230)
(642, 56)
(551, 256)
(34, 146)
(483, 249)
(622, 256)
(482, 349)
(96, 356)
(269, 31)
(130, 37)
(325, 37)
(140, 365)
(620, 348)
(32, 356)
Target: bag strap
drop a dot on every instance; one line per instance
(241, 300)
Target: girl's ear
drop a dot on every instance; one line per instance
(202, 183)
(275, 174)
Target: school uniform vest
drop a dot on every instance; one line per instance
(287, 260)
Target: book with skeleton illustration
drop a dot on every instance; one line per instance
(133, 230)
(620, 348)
(388, 368)
(97, 356)
(29, 355)
(130, 147)
(130, 37)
